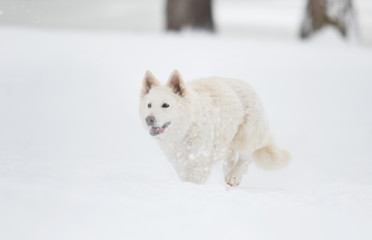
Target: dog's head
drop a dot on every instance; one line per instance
(164, 110)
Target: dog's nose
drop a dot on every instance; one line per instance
(150, 120)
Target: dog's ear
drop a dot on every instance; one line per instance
(149, 81)
(176, 83)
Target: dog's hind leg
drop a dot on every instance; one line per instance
(230, 162)
(235, 176)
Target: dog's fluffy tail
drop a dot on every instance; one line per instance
(271, 157)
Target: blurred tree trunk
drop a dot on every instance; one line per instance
(320, 13)
(189, 13)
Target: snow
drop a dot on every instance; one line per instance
(75, 162)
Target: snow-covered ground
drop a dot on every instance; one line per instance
(75, 162)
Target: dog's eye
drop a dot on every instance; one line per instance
(165, 105)
(149, 105)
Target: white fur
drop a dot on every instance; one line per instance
(212, 119)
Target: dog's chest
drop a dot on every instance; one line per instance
(196, 153)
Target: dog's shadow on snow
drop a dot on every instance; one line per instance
(252, 189)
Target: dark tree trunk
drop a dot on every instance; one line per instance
(320, 13)
(189, 13)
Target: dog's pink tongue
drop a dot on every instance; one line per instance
(156, 131)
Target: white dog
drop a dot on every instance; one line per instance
(209, 120)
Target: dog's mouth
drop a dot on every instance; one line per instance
(155, 131)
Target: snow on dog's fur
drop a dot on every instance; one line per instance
(209, 120)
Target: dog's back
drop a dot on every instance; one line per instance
(241, 121)
(235, 103)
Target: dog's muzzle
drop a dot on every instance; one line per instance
(155, 129)
(150, 121)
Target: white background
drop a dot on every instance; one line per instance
(75, 162)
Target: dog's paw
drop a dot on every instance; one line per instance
(233, 180)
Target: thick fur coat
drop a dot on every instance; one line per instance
(209, 120)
